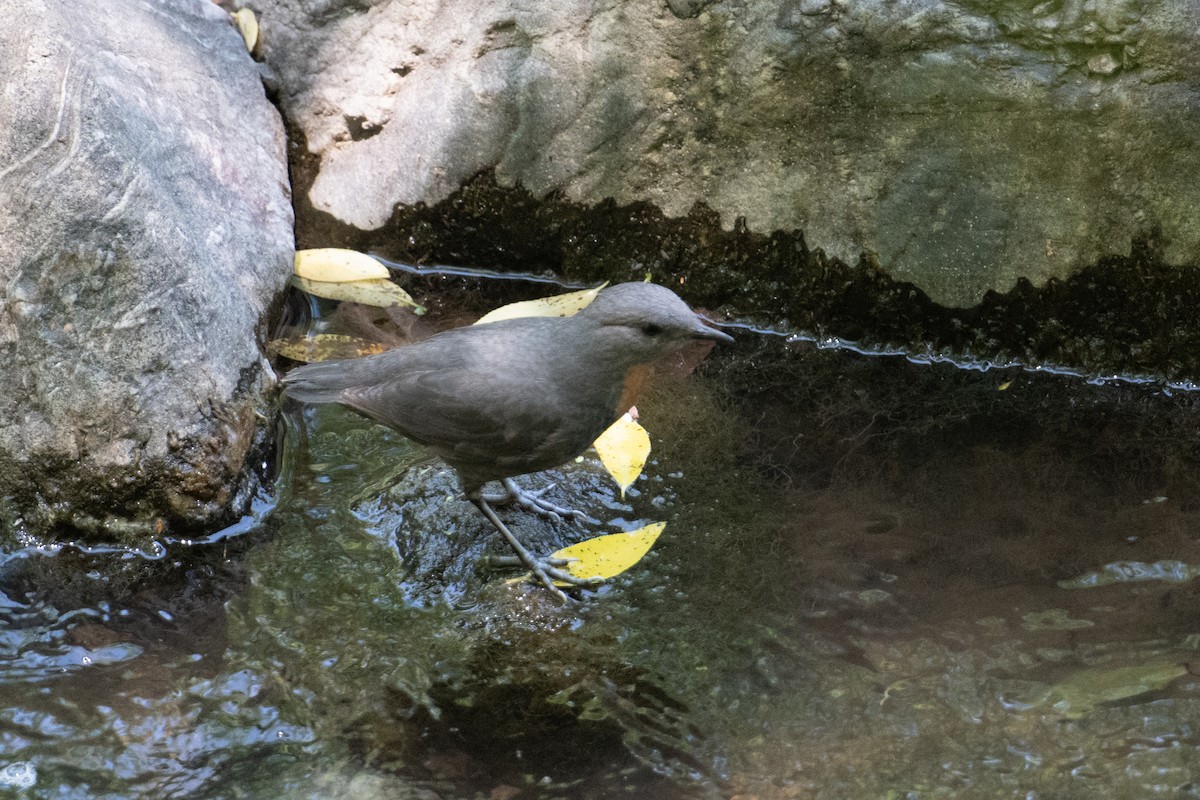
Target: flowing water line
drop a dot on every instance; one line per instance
(919, 358)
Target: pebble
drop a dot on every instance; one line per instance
(19, 775)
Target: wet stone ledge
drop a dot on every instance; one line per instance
(1126, 315)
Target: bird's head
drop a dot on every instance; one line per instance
(643, 322)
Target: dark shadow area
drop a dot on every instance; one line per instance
(1125, 314)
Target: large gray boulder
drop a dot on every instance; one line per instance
(145, 226)
(967, 143)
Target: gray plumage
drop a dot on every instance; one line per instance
(515, 396)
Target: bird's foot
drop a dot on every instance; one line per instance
(547, 571)
(531, 500)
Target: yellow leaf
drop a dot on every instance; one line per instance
(560, 305)
(247, 25)
(377, 292)
(323, 347)
(606, 556)
(623, 450)
(334, 265)
(1085, 690)
(1004, 386)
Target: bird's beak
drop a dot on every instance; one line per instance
(705, 331)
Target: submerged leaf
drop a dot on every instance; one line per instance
(324, 347)
(1081, 692)
(560, 305)
(623, 449)
(378, 292)
(335, 265)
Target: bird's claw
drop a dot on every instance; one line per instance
(552, 566)
(566, 577)
(534, 495)
(531, 500)
(551, 576)
(515, 561)
(547, 571)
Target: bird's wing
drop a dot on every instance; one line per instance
(431, 406)
(475, 421)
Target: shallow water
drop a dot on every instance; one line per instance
(878, 579)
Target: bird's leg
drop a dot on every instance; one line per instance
(546, 570)
(532, 501)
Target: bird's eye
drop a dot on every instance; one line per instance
(650, 329)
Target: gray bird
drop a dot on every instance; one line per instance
(515, 396)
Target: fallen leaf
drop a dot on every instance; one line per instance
(623, 449)
(247, 25)
(335, 265)
(376, 292)
(612, 554)
(559, 305)
(323, 347)
(1085, 690)
(608, 555)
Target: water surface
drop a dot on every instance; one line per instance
(878, 579)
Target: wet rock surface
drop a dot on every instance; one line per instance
(967, 145)
(145, 227)
(1123, 315)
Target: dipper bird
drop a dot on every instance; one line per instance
(514, 396)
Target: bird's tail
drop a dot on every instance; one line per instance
(322, 382)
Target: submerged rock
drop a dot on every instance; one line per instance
(145, 226)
